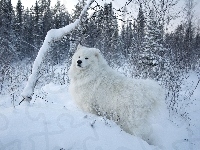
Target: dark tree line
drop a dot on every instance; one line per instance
(23, 30)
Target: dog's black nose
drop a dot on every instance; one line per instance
(79, 61)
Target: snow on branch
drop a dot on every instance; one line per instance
(52, 35)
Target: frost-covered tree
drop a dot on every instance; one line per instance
(19, 29)
(123, 40)
(28, 32)
(8, 52)
(152, 53)
(178, 46)
(91, 33)
(7, 37)
(60, 18)
(140, 28)
(19, 16)
(108, 29)
(78, 34)
(46, 20)
(37, 26)
(197, 49)
(138, 32)
(197, 42)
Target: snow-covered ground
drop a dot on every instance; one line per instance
(56, 123)
(52, 121)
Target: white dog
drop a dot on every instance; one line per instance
(98, 89)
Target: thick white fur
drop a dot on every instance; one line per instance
(98, 89)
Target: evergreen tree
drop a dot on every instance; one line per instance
(60, 49)
(108, 25)
(123, 41)
(197, 48)
(78, 35)
(19, 29)
(46, 17)
(19, 13)
(37, 26)
(178, 46)
(189, 33)
(7, 37)
(152, 53)
(127, 35)
(98, 29)
(140, 28)
(77, 11)
(188, 44)
(197, 42)
(138, 41)
(91, 33)
(28, 39)
(134, 38)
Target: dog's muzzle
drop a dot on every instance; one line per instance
(79, 63)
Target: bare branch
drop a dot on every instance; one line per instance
(52, 35)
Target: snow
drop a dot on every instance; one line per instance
(193, 107)
(52, 35)
(52, 121)
(58, 124)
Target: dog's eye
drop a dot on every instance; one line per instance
(79, 57)
(86, 58)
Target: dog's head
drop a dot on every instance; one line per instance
(85, 57)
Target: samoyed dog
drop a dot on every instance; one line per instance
(98, 89)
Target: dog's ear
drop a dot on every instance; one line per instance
(99, 56)
(97, 53)
(79, 47)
